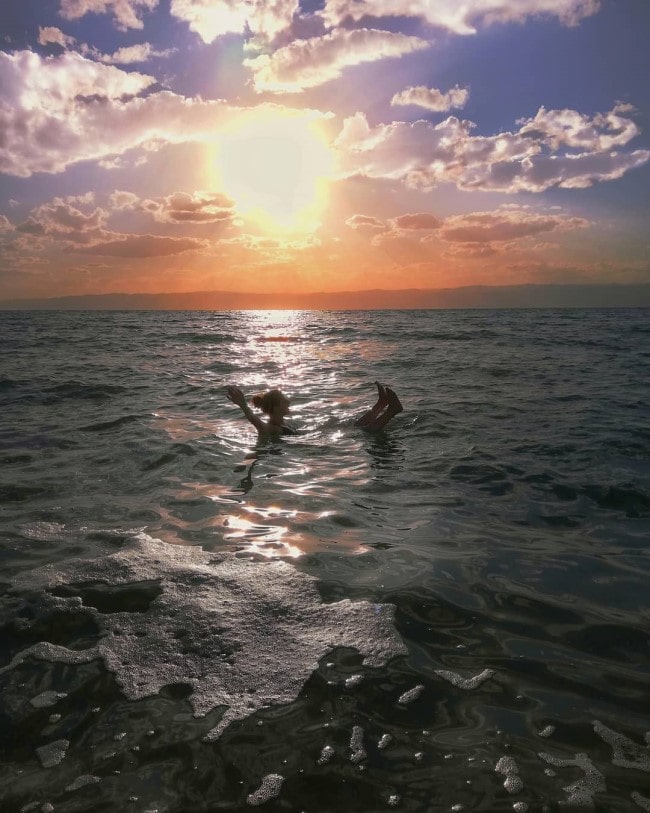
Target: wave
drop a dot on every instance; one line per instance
(206, 338)
(114, 424)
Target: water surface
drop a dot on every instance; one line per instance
(504, 515)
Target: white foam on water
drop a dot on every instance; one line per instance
(581, 792)
(641, 801)
(326, 755)
(509, 768)
(461, 682)
(625, 752)
(47, 698)
(44, 531)
(243, 634)
(385, 741)
(269, 789)
(82, 781)
(356, 745)
(53, 753)
(411, 695)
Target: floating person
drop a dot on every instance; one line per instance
(275, 404)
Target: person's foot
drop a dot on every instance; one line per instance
(394, 404)
(382, 398)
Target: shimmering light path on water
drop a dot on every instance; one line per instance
(505, 514)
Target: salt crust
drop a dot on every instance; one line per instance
(356, 745)
(410, 695)
(243, 634)
(509, 768)
(326, 755)
(462, 682)
(82, 781)
(625, 752)
(581, 792)
(53, 753)
(641, 801)
(269, 789)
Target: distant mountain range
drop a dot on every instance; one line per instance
(514, 296)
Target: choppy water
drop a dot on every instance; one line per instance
(194, 621)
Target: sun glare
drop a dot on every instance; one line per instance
(275, 166)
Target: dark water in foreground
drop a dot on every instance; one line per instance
(195, 622)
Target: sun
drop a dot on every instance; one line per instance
(276, 166)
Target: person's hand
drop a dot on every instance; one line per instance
(236, 396)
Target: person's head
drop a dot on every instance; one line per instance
(272, 402)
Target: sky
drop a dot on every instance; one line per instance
(293, 146)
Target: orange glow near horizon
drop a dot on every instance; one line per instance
(276, 167)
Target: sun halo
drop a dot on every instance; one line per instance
(276, 166)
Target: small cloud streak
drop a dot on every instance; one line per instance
(432, 98)
(308, 63)
(142, 245)
(358, 222)
(460, 16)
(127, 13)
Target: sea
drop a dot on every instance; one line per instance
(449, 615)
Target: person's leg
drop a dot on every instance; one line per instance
(393, 407)
(372, 414)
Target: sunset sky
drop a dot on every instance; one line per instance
(322, 145)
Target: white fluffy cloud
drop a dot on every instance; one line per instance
(127, 13)
(131, 54)
(307, 63)
(460, 16)
(558, 128)
(51, 35)
(57, 111)
(432, 98)
(423, 154)
(214, 18)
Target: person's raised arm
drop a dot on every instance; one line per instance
(237, 397)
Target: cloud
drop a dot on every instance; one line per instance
(460, 16)
(127, 13)
(308, 63)
(417, 221)
(364, 222)
(604, 131)
(210, 19)
(200, 207)
(423, 155)
(134, 53)
(64, 223)
(504, 225)
(142, 245)
(62, 219)
(57, 111)
(51, 34)
(432, 98)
